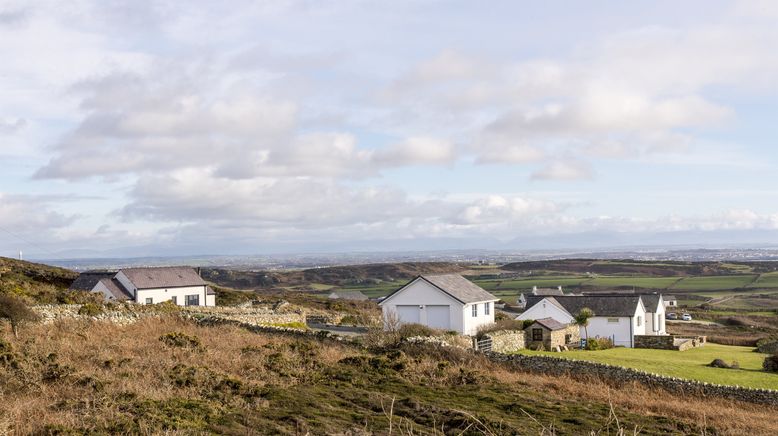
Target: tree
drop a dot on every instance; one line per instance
(582, 319)
(16, 312)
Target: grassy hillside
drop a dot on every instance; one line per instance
(34, 281)
(325, 278)
(105, 379)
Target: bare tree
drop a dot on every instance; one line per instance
(16, 312)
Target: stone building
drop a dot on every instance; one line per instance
(551, 333)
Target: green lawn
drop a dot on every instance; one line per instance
(690, 364)
(714, 282)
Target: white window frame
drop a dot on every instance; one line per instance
(474, 310)
(640, 320)
(192, 296)
(487, 308)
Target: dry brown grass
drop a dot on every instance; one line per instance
(245, 382)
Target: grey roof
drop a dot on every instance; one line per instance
(651, 301)
(348, 295)
(163, 277)
(669, 298)
(601, 305)
(459, 287)
(209, 291)
(550, 323)
(456, 286)
(87, 280)
(547, 291)
(116, 289)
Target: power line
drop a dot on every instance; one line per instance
(26, 241)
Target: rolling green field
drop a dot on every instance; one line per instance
(768, 280)
(690, 364)
(714, 282)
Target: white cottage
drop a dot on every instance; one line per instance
(617, 317)
(441, 301)
(181, 285)
(655, 314)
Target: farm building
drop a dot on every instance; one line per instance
(617, 317)
(441, 301)
(550, 333)
(181, 285)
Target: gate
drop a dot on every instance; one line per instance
(484, 344)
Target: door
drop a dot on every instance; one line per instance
(439, 317)
(408, 314)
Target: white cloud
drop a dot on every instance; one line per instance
(564, 170)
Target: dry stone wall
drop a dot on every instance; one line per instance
(620, 376)
(507, 341)
(124, 314)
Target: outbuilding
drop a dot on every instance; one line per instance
(441, 301)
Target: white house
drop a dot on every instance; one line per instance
(441, 301)
(181, 285)
(670, 301)
(617, 317)
(655, 314)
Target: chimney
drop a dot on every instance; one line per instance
(534, 289)
(198, 272)
(559, 287)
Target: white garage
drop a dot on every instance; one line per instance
(441, 301)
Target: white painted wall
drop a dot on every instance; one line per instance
(618, 331)
(545, 309)
(472, 323)
(161, 294)
(420, 294)
(655, 324)
(211, 300)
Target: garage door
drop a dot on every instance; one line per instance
(408, 314)
(439, 317)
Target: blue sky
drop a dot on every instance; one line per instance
(133, 127)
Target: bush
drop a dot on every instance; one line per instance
(15, 310)
(770, 363)
(506, 324)
(181, 340)
(410, 330)
(90, 309)
(594, 344)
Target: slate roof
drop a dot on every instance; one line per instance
(87, 280)
(601, 305)
(209, 291)
(349, 295)
(163, 277)
(669, 297)
(116, 289)
(651, 301)
(458, 287)
(550, 323)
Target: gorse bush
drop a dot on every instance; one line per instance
(770, 363)
(181, 340)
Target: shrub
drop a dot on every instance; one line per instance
(181, 340)
(770, 363)
(506, 324)
(527, 323)
(16, 312)
(410, 330)
(90, 309)
(594, 344)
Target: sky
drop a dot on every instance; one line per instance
(135, 127)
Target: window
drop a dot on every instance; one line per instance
(475, 310)
(537, 334)
(149, 301)
(487, 308)
(640, 321)
(613, 320)
(174, 299)
(568, 338)
(192, 300)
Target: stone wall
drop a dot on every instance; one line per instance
(669, 342)
(124, 314)
(507, 341)
(620, 376)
